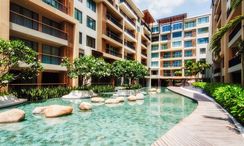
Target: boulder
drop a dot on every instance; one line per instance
(11, 116)
(132, 98)
(121, 99)
(139, 96)
(112, 101)
(97, 100)
(158, 91)
(152, 90)
(57, 111)
(85, 106)
(39, 110)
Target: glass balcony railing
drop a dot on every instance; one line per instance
(234, 61)
(130, 45)
(51, 59)
(234, 31)
(113, 51)
(217, 70)
(114, 20)
(114, 36)
(57, 4)
(36, 25)
(130, 33)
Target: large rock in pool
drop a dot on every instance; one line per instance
(112, 101)
(39, 110)
(152, 90)
(139, 96)
(11, 116)
(57, 111)
(132, 98)
(120, 99)
(97, 100)
(85, 106)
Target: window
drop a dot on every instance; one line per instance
(155, 38)
(190, 24)
(188, 53)
(188, 34)
(155, 29)
(202, 40)
(90, 42)
(49, 30)
(166, 28)
(80, 37)
(188, 44)
(177, 26)
(51, 55)
(177, 63)
(202, 50)
(203, 20)
(177, 54)
(155, 55)
(166, 64)
(166, 55)
(202, 30)
(154, 64)
(177, 44)
(91, 23)
(154, 47)
(177, 34)
(164, 37)
(78, 15)
(167, 73)
(91, 5)
(164, 46)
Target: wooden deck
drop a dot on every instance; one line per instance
(208, 125)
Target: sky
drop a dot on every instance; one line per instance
(165, 8)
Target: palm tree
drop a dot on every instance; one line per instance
(216, 38)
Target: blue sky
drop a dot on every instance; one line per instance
(165, 8)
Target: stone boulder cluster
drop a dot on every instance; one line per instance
(53, 111)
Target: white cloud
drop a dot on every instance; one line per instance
(160, 7)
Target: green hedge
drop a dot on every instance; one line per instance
(230, 96)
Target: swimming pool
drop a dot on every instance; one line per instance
(131, 123)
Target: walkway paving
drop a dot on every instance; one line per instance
(208, 125)
(6, 101)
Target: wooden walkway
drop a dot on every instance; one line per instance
(208, 125)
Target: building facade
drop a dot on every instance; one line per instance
(175, 40)
(228, 68)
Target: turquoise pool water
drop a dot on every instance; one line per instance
(129, 124)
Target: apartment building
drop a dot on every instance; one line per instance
(175, 40)
(228, 69)
(48, 27)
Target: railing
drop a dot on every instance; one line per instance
(148, 28)
(124, 1)
(234, 61)
(178, 55)
(155, 39)
(234, 31)
(147, 37)
(129, 57)
(217, 70)
(36, 25)
(129, 19)
(130, 33)
(113, 52)
(167, 74)
(130, 45)
(144, 53)
(114, 20)
(51, 59)
(114, 36)
(144, 43)
(111, 2)
(56, 4)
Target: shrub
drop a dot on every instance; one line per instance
(101, 88)
(230, 96)
(132, 87)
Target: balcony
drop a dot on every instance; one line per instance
(234, 61)
(113, 51)
(130, 33)
(36, 25)
(114, 36)
(129, 19)
(146, 26)
(130, 45)
(57, 4)
(144, 43)
(114, 20)
(234, 32)
(144, 53)
(217, 70)
(125, 6)
(128, 57)
(147, 37)
(51, 59)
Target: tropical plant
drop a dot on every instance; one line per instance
(193, 68)
(86, 67)
(241, 54)
(16, 55)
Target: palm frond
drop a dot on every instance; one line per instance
(216, 38)
(235, 4)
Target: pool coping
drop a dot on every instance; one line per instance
(203, 126)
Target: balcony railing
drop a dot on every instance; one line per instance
(114, 20)
(51, 59)
(146, 25)
(234, 61)
(217, 70)
(234, 31)
(167, 74)
(129, 19)
(36, 25)
(130, 45)
(130, 33)
(144, 43)
(144, 53)
(147, 37)
(114, 36)
(124, 1)
(56, 4)
(129, 57)
(113, 52)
